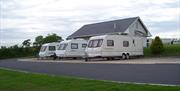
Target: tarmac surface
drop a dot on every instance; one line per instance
(167, 73)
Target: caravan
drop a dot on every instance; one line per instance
(48, 49)
(71, 48)
(114, 45)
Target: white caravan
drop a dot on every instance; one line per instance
(110, 46)
(48, 50)
(71, 48)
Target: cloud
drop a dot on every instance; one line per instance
(169, 34)
(29, 18)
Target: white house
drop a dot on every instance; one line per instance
(130, 26)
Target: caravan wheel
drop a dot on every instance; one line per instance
(59, 58)
(54, 56)
(108, 58)
(86, 59)
(127, 56)
(123, 56)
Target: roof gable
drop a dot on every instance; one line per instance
(148, 33)
(104, 27)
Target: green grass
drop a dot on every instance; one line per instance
(172, 50)
(169, 50)
(19, 81)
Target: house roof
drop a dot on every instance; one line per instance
(120, 25)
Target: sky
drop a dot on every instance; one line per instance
(26, 19)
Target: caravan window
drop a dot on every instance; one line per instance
(110, 42)
(90, 43)
(52, 48)
(62, 46)
(100, 42)
(84, 45)
(95, 43)
(43, 48)
(125, 43)
(74, 45)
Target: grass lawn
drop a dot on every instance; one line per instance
(172, 50)
(19, 81)
(169, 50)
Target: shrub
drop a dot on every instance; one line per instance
(157, 46)
(15, 51)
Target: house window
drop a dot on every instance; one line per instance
(110, 43)
(84, 45)
(52, 48)
(125, 43)
(74, 46)
(147, 40)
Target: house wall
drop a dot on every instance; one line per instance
(134, 27)
(132, 31)
(140, 28)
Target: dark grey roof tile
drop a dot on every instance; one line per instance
(104, 27)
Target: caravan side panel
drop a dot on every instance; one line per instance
(135, 46)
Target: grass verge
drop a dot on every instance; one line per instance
(169, 50)
(20, 81)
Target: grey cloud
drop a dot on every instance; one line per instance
(49, 17)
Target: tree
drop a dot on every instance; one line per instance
(157, 46)
(38, 40)
(51, 38)
(26, 43)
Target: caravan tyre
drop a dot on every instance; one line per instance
(123, 56)
(59, 58)
(74, 58)
(86, 59)
(108, 58)
(112, 58)
(54, 56)
(127, 56)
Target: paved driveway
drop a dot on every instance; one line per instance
(141, 73)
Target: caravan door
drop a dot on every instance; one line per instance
(74, 48)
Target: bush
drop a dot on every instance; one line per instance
(157, 46)
(15, 52)
(147, 52)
